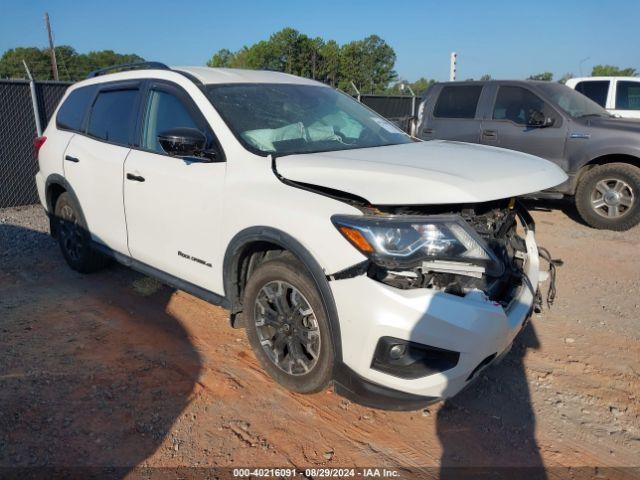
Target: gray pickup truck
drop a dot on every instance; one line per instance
(600, 153)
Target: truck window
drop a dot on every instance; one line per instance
(112, 116)
(628, 95)
(517, 104)
(458, 102)
(596, 90)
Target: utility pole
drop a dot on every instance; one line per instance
(54, 63)
(452, 67)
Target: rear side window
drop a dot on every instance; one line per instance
(73, 109)
(458, 102)
(628, 95)
(596, 90)
(112, 116)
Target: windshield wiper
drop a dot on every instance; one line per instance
(592, 115)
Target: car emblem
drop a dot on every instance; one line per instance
(585, 136)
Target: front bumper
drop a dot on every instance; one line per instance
(476, 328)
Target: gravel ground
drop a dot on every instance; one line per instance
(115, 369)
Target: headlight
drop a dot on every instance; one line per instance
(406, 241)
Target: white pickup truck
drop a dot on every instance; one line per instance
(619, 95)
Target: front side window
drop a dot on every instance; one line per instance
(596, 90)
(164, 112)
(285, 119)
(517, 104)
(112, 116)
(458, 102)
(73, 110)
(628, 95)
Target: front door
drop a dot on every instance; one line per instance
(94, 162)
(173, 205)
(510, 125)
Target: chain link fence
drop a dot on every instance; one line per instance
(401, 110)
(18, 164)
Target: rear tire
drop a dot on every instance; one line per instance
(74, 238)
(608, 196)
(287, 325)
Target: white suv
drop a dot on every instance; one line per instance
(351, 252)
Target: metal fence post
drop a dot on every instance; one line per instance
(413, 120)
(356, 89)
(34, 99)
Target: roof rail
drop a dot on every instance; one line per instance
(129, 66)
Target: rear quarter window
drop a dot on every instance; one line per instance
(458, 102)
(628, 95)
(73, 109)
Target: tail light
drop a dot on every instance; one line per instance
(37, 144)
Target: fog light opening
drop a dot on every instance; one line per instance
(407, 359)
(396, 352)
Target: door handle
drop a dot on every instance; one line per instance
(71, 159)
(428, 131)
(135, 178)
(490, 134)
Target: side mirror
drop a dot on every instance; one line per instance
(537, 119)
(183, 142)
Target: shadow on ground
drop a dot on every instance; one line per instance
(564, 205)
(87, 362)
(492, 421)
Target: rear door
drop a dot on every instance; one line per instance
(94, 161)
(453, 115)
(627, 98)
(173, 205)
(508, 124)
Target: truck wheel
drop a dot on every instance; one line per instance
(608, 196)
(74, 239)
(287, 325)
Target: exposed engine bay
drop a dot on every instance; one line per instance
(495, 222)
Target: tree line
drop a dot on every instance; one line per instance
(72, 65)
(367, 63)
(596, 71)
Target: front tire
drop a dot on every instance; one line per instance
(287, 325)
(74, 238)
(608, 197)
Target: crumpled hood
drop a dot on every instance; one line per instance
(434, 172)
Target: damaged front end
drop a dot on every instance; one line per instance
(474, 249)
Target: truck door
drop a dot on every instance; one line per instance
(453, 117)
(514, 123)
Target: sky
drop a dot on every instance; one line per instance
(506, 39)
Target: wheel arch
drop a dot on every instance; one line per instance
(55, 186)
(239, 260)
(605, 159)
